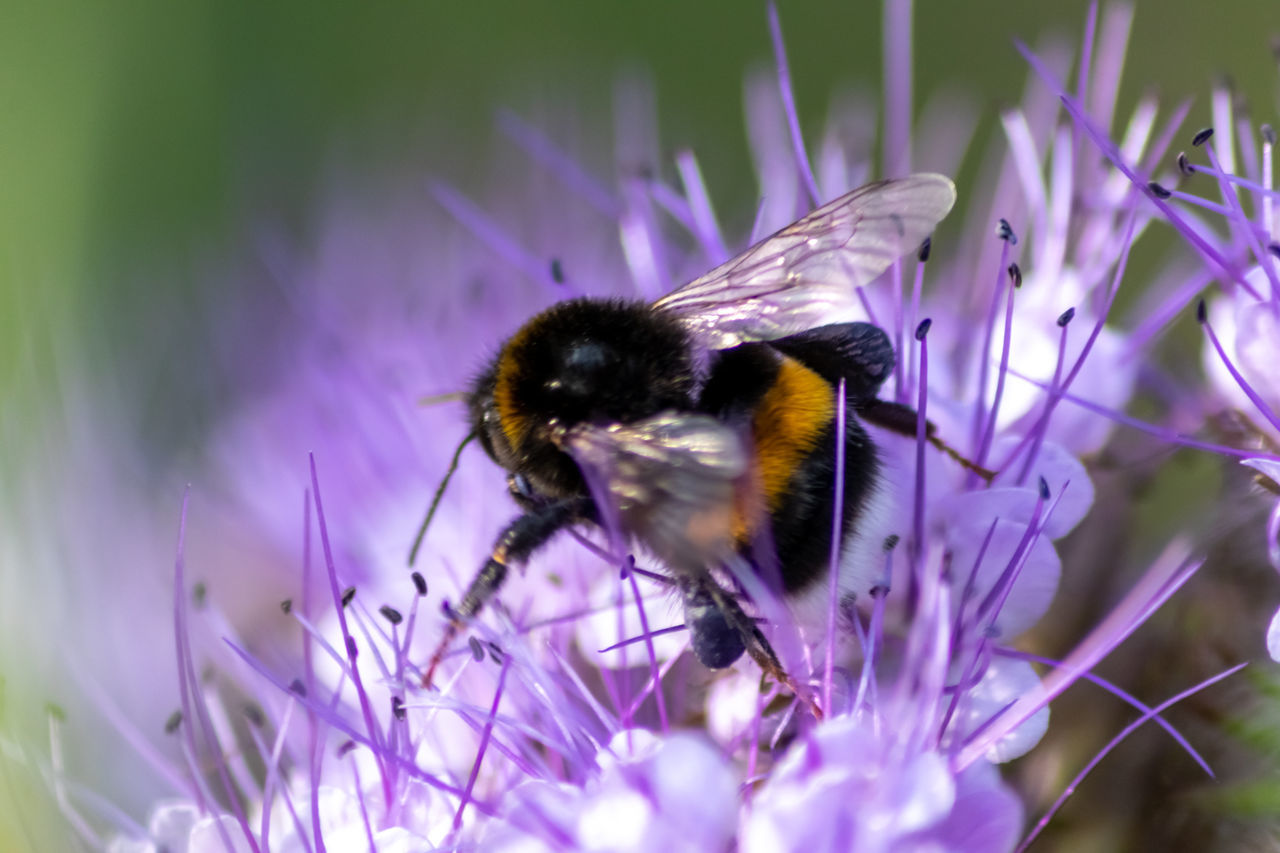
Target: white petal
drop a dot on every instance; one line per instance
(1273, 637)
(207, 838)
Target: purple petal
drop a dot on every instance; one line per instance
(987, 817)
(924, 792)
(1004, 681)
(1035, 585)
(1065, 475)
(696, 791)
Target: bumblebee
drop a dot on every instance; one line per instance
(704, 425)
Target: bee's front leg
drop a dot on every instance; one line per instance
(515, 544)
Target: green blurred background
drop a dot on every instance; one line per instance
(135, 136)
(135, 133)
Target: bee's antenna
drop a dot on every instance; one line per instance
(435, 500)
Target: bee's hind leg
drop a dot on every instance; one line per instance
(902, 419)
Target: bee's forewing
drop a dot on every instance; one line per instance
(670, 478)
(808, 273)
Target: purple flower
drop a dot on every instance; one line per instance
(903, 802)
(562, 716)
(1240, 318)
(647, 793)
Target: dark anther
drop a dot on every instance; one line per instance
(1268, 134)
(1274, 248)
(627, 565)
(1200, 312)
(1158, 191)
(1066, 317)
(1202, 137)
(1044, 489)
(347, 595)
(352, 651)
(1184, 165)
(253, 713)
(557, 271)
(1015, 273)
(496, 652)
(1005, 232)
(925, 248)
(890, 542)
(923, 328)
(947, 559)
(171, 724)
(345, 748)
(419, 583)
(296, 686)
(477, 650)
(446, 609)
(286, 606)
(880, 590)
(391, 614)
(199, 595)
(397, 708)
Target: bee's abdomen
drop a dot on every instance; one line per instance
(803, 518)
(792, 412)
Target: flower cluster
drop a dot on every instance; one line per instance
(571, 716)
(1240, 319)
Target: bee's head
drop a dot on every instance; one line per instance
(578, 361)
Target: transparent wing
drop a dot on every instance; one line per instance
(808, 273)
(668, 480)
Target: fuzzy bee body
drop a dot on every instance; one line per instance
(791, 409)
(704, 425)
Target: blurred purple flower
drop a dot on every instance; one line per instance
(902, 802)
(538, 739)
(1240, 319)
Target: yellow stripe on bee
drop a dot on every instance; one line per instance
(515, 423)
(787, 424)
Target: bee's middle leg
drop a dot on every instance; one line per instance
(754, 640)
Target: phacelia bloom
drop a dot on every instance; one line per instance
(1233, 287)
(569, 715)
